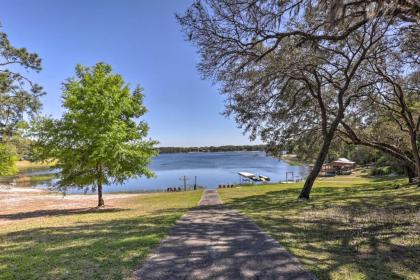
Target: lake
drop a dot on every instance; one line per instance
(211, 169)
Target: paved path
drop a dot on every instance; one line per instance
(212, 242)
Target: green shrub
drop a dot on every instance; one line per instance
(381, 171)
(7, 160)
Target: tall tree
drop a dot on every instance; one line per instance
(284, 78)
(18, 96)
(393, 104)
(98, 140)
(389, 120)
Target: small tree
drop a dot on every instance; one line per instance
(97, 141)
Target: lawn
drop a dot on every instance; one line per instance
(89, 243)
(353, 227)
(25, 166)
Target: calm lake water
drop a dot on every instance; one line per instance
(211, 170)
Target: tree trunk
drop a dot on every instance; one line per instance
(410, 173)
(304, 194)
(415, 149)
(100, 182)
(100, 199)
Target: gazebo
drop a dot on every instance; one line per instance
(343, 163)
(341, 166)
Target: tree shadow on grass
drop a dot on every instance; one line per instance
(58, 212)
(84, 250)
(384, 178)
(368, 231)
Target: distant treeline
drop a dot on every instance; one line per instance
(209, 149)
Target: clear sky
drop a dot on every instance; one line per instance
(142, 41)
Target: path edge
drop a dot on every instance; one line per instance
(271, 239)
(155, 250)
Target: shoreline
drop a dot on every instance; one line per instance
(210, 168)
(5, 188)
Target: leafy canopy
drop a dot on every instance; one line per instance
(18, 94)
(19, 98)
(98, 137)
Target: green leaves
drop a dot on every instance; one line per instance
(7, 160)
(98, 136)
(18, 94)
(19, 97)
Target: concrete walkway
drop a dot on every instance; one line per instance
(212, 242)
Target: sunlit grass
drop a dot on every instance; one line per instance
(41, 178)
(25, 165)
(92, 244)
(353, 227)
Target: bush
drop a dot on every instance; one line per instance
(7, 160)
(381, 171)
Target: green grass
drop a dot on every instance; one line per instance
(41, 178)
(292, 160)
(28, 180)
(91, 244)
(25, 166)
(352, 228)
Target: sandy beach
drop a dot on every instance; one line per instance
(24, 203)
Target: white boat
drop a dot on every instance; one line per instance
(264, 178)
(249, 176)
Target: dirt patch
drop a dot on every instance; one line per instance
(25, 203)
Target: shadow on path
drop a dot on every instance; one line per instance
(212, 242)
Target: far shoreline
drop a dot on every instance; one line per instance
(209, 149)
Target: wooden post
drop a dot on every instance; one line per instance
(195, 182)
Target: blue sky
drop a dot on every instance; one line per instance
(142, 41)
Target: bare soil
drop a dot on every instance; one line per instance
(18, 203)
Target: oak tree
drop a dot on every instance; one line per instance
(284, 77)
